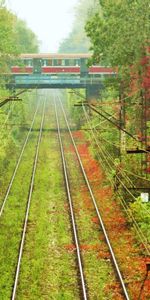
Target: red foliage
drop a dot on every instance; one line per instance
(83, 150)
(95, 220)
(78, 134)
(115, 288)
(104, 255)
(132, 264)
(70, 248)
(90, 247)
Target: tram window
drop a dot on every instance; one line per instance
(59, 62)
(66, 62)
(77, 62)
(18, 63)
(48, 62)
(55, 62)
(86, 61)
(22, 63)
(63, 62)
(44, 63)
(72, 62)
(29, 63)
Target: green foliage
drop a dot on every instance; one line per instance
(141, 212)
(26, 40)
(13, 116)
(13, 219)
(77, 41)
(7, 37)
(119, 32)
(15, 37)
(76, 112)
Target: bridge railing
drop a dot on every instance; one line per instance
(47, 79)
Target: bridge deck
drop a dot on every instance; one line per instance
(48, 81)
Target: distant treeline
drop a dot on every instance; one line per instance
(15, 36)
(77, 41)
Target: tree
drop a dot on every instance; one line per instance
(25, 38)
(77, 41)
(119, 32)
(7, 37)
(15, 37)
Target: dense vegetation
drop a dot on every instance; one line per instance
(15, 38)
(119, 34)
(77, 41)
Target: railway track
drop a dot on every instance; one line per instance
(75, 229)
(82, 291)
(14, 291)
(18, 164)
(80, 265)
(15, 207)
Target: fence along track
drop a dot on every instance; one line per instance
(117, 269)
(27, 208)
(18, 163)
(83, 284)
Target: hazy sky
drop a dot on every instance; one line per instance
(51, 20)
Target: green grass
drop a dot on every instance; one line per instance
(48, 270)
(12, 219)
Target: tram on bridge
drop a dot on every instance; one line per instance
(57, 64)
(56, 70)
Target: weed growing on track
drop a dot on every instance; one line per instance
(98, 269)
(12, 219)
(12, 137)
(48, 271)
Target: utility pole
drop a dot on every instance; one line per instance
(122, 122)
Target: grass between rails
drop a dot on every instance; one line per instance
(96, 259)
(48, 270)
(12, 218)
(14, 150)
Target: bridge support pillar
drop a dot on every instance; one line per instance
(92, 93)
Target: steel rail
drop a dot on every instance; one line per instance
(18, 163)
(125, 292)
(83, 284)
(28, 208)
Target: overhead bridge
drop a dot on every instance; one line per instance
(41, 81)
(47, 71)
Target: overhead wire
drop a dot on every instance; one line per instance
(127, 189)
(118, 147)
(107, 119)
(136, 175)
(127, 209)
(2, 127)
(123, 175)
(108, 154)
(124, 170)
(120, 128)
(7, 116)
(112, 159)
